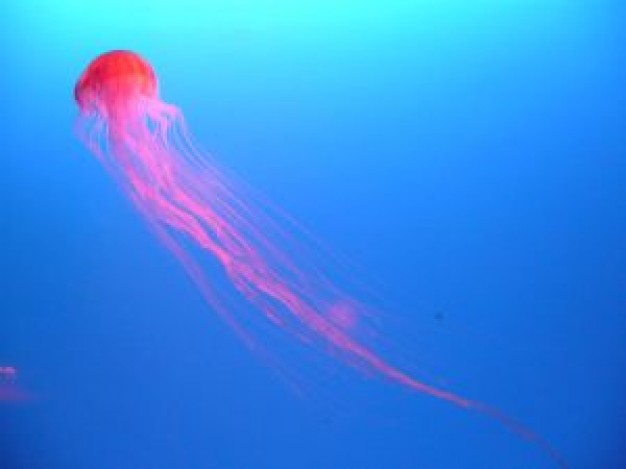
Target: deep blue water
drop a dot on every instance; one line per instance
(469, 155)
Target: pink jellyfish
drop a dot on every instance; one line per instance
(10, 390)
(8, 373)
(196, 207)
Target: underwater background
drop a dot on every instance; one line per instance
(468, 156)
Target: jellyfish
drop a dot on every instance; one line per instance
(8, 374)
(10, 390)
(198, 208)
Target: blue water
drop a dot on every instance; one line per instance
(469, 156)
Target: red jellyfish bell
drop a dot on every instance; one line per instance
(113, 80)
(197, 208)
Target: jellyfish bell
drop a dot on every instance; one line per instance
(113, 81)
